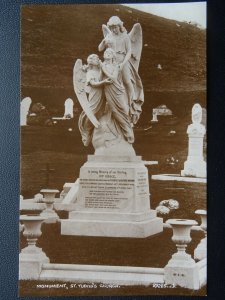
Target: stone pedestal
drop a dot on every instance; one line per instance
(30, 263)
(181, 269)
(31, 257)
(113, 200)
(195, 164)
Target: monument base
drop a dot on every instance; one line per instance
(136, 225)
(113, 200)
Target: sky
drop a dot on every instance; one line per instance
(194, 12)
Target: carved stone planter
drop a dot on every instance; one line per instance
(31, 257)
(181, 269)
(201, 250)
(49, 213)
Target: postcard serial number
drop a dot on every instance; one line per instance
(163, 286)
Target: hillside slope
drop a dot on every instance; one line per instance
(54, 36)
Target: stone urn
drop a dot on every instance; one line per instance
(31, 257)
(201, 250)
(49, 213)
(32, 230)
(181, 233)
(181, 269)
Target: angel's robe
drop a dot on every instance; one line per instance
(121, 44)
(96, 100)
(116, 98)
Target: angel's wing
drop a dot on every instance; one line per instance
(105, 30)
(136, 44)
(79, 82)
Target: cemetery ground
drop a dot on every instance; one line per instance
(154, 251)
(64, 153)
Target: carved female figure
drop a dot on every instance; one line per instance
(115, 94)
(128, 51)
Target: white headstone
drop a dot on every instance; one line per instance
(195, 164)
(24, 109)
(161, 110)
(68, 108)
(154, 115)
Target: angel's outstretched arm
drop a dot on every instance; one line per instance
(99, 83)
(106, 31)
(101, 46)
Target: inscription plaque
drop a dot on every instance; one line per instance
(113, 200)
(113, 188)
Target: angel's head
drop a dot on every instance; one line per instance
(93, 60)
(110, 54)
(116, 25)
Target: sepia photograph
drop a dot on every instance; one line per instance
(113, 140)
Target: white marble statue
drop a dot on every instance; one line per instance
(112, 197)
(111, 92)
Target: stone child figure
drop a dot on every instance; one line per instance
(94, 82)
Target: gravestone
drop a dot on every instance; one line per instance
(24, 110)
(195, 164)
(161, 110)
(68, 108)
(154, 116)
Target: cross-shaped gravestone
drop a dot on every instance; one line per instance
(47, 171)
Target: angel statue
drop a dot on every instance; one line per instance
(128, 49)
(110, 92)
